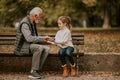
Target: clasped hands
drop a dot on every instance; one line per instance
(49, 39)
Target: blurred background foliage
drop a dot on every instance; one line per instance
(84, 13)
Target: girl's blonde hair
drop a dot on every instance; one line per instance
(67, 20)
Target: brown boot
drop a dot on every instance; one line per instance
(73, 70)
(65, 70)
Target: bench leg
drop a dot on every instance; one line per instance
(77, 65)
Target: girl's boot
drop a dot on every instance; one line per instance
(73, 70)
(65, 70)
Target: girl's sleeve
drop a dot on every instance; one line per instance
(63, 39)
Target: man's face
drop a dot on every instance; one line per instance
(38, 17)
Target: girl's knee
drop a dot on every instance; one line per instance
(68, 53)
(62, 52)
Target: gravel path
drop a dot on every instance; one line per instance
(57, 76)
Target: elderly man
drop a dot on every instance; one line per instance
(30, 43)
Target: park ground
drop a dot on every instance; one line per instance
(104, 40)
(94, 75)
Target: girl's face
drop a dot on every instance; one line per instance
(60, 24)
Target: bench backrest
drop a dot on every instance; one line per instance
(78, 39)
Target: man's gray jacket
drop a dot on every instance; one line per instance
(26, 35)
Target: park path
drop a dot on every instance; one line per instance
(57, 76)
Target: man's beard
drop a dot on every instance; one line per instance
(37, 21)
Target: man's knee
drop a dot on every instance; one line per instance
(36, 47)
(46, 48)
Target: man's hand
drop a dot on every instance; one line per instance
(48, 38)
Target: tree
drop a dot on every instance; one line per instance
(12, 10)
(82, 12)
(56, 8)
(107, 13)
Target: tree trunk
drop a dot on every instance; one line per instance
(106, 23)
(118, 15)
(84, 20)
(84, 23)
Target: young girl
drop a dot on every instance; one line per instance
(64, 41)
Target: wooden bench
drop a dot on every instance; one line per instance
(78, 40)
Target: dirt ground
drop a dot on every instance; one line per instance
(57, 76)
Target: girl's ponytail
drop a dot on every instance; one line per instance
(67, 20)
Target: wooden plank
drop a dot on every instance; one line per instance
(11, 54)
(10, 40)
(7, 38)
(12, 43)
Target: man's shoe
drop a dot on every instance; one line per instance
(35, 75)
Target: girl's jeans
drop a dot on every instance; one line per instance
(66, 52)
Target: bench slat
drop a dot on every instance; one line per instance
(12, 43)
(11, 54)
(13, 38)
(7, 38)
(13, 35)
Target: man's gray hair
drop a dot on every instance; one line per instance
(36, 11)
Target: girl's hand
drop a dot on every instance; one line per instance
(62, 44)
(48, 38)
(51, 42)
